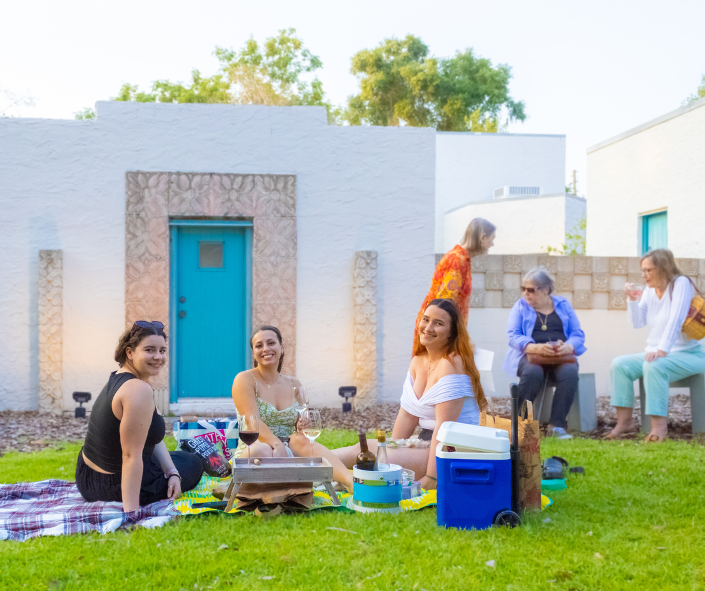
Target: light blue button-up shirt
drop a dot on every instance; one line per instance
(520, 326)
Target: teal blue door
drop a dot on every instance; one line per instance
(654, 231)
(210, 308)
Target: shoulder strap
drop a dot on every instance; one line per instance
(256, 385)
(291, 382)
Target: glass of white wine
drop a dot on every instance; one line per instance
(311, 426)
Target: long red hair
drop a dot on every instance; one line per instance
(458, 344)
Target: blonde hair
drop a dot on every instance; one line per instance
(476, 229)
(663, 260)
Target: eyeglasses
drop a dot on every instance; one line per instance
(647, 271)
(528, 289)
(155, 324)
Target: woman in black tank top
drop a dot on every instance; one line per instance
(124, 457)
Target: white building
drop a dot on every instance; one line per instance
(150, 211)
(472, 171)
(525, 225)
(647, 187)
(100, 198)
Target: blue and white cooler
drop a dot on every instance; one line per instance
(474, 470)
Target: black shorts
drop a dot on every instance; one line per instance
(96, 486)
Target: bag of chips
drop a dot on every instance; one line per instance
(214, 462)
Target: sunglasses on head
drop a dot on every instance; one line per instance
(155, 324)
(528, 289)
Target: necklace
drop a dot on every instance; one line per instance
(430, 371)
(544, 322)
(265, 381)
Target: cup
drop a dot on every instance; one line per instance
(634, 290)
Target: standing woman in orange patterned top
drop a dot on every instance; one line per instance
(453, 278)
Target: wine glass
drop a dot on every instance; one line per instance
(249, 431)
(311, 426)
(301, 399)
(555, 345)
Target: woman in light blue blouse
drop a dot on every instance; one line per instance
(537, 319)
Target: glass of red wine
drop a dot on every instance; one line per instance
(249, 431)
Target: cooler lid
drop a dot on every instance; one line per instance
(474, 437)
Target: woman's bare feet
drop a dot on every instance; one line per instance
(625, 423)
(659, 429)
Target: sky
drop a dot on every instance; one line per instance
(588, 69)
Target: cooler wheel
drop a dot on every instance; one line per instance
(507, 518)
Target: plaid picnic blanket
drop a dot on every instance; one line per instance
(55, 507)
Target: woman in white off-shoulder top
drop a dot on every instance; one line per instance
(670, 354)
(442, 385)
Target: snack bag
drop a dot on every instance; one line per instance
(214, 462)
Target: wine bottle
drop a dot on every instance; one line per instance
(365, 459)
(382, 459)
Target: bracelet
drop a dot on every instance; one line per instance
(171, 473)
(431, 477)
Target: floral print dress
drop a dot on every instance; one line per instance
(282, 423)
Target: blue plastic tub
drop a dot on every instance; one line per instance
(473, 487)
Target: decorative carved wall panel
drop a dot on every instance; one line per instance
(50, 299)
(365, 330)
(269, 200)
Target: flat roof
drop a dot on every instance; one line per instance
(514, 199)
(500, 134)
(644, 126)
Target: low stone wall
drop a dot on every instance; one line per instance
(591, 283)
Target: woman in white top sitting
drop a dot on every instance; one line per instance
(442, 385)
(670, 354)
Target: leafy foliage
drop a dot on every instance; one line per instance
(401, 83)
(699, 93)
(272, 74)
(575, 241)
(85, 114)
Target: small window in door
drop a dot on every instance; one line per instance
(654, 231)
(210, 255)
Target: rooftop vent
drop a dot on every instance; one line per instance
(509, 191)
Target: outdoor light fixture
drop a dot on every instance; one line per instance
(81, 397)
(347, 392)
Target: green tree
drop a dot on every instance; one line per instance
(400, 82)
(699, 93)
(271, 74)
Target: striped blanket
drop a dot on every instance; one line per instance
(55, 507)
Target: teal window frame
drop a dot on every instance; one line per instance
(646, 220)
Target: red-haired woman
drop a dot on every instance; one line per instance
(442, 385)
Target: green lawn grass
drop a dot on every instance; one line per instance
(633, 521)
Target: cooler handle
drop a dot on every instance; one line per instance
(477, 474)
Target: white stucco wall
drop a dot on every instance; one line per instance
(470, 166)
(607, 335)
(657, 165)
(62, 186)
(525, 225)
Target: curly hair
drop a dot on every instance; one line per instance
(458, 344)
(133, 337)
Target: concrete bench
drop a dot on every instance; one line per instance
(696, 385)
(582, 415)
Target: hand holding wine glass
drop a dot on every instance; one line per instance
(249, 431)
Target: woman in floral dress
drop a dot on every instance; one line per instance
(265, 392)
(453, 277)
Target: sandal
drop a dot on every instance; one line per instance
(651, 438)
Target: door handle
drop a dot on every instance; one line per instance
(182, 313)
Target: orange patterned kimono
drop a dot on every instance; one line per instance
(452, 280)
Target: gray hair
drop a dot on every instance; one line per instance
(541, 279)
